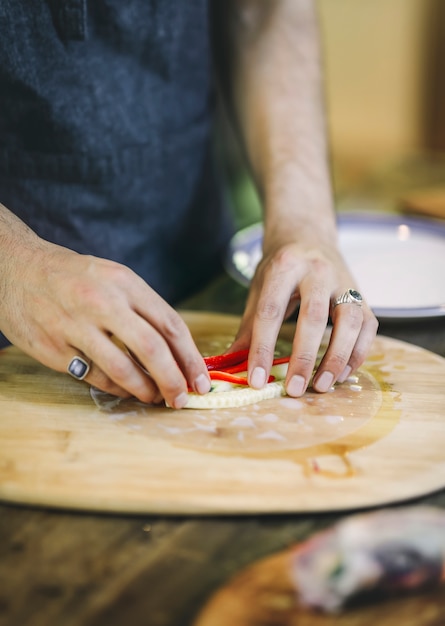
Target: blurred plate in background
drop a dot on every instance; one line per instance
(398, 262)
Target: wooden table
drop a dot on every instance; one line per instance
(61, 568)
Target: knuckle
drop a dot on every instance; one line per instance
(262, 352)
(120, 370)
(115, 272)
(284, 260)
(147, 395)
(174, 327)
(315, 309)
(304, 360)
(268, 311)
(337, 360)
(148, 349)
(319, 266)
(152, 349)
(119, 270)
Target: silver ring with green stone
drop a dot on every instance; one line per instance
(350, 296)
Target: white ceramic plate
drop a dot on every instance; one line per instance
(398, 262)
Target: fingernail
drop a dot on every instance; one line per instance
(296, 386)
(343, 376)
(258, 378)
(180, 401)
(324, 382)
(202, 384)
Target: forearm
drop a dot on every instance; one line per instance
(276, 98)
(18, 245)
(14, 234)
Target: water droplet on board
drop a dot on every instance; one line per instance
(116, 417)
(269, 417)
(243, 422)
(271, 434)
(352, 379)
(334, 419)
(171, 430)
(291, 403)
(207, 428)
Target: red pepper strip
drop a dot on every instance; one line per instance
(231, 378)
(242, 367)
(281, 359)
(221, 361)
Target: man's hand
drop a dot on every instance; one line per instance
(295, 273)
(56, 304)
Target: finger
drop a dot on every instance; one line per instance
(311, 325)
(347, 324)
(184, 350)
(266, 321)
(157, 334)
(243, 337)
(111, 369)
(98, 379)
(154, 353)
(116, 365)
(155, 313)
(362, 345)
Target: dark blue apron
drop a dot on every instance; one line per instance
(106, 133)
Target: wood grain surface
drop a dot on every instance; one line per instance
(376, 439)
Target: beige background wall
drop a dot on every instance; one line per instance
(376, 57)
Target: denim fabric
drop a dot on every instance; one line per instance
(106, 133)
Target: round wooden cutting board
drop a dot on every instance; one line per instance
(377, 438)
